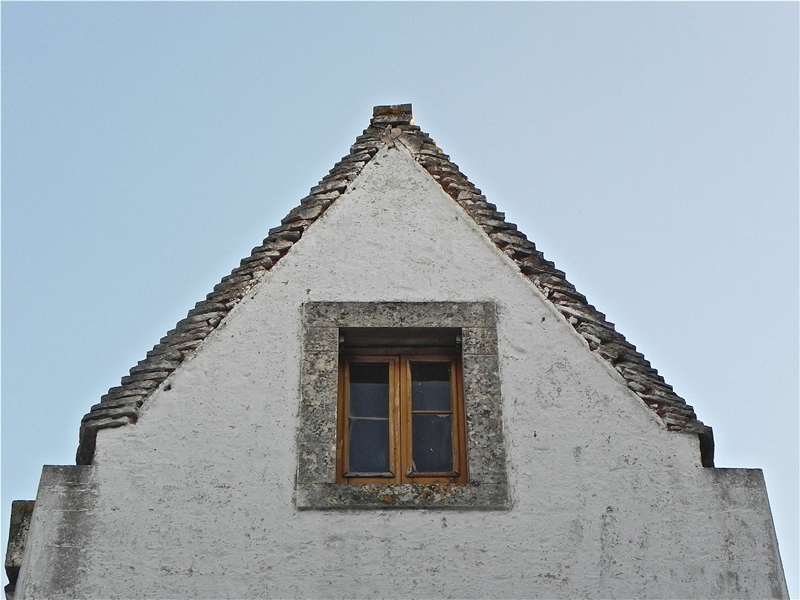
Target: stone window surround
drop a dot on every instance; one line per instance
(316, 486)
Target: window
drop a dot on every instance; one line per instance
(400, 416)
(402, 343)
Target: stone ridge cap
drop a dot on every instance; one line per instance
(120, 406)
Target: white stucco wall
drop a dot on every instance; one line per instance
(196, 499)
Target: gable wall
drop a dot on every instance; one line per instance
(196, 499)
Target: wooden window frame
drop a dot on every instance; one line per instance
(400, 416)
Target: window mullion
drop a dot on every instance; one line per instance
(405, 418)
(395, 429)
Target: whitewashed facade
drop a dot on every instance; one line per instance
(192, 490)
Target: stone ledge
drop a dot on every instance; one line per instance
(321, 496)
(399, 314)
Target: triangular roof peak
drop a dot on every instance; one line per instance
(120, 406)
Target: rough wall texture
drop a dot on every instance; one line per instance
(196, 499)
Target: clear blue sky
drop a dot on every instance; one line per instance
(649, 149)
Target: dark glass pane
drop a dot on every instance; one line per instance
(369, 446)
(369, 390)
(432, 443)
(430, 386)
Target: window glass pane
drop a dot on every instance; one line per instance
(369, 446)
(432, 444)
(369, 390)
(430, 386)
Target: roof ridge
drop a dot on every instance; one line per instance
(121, 405)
